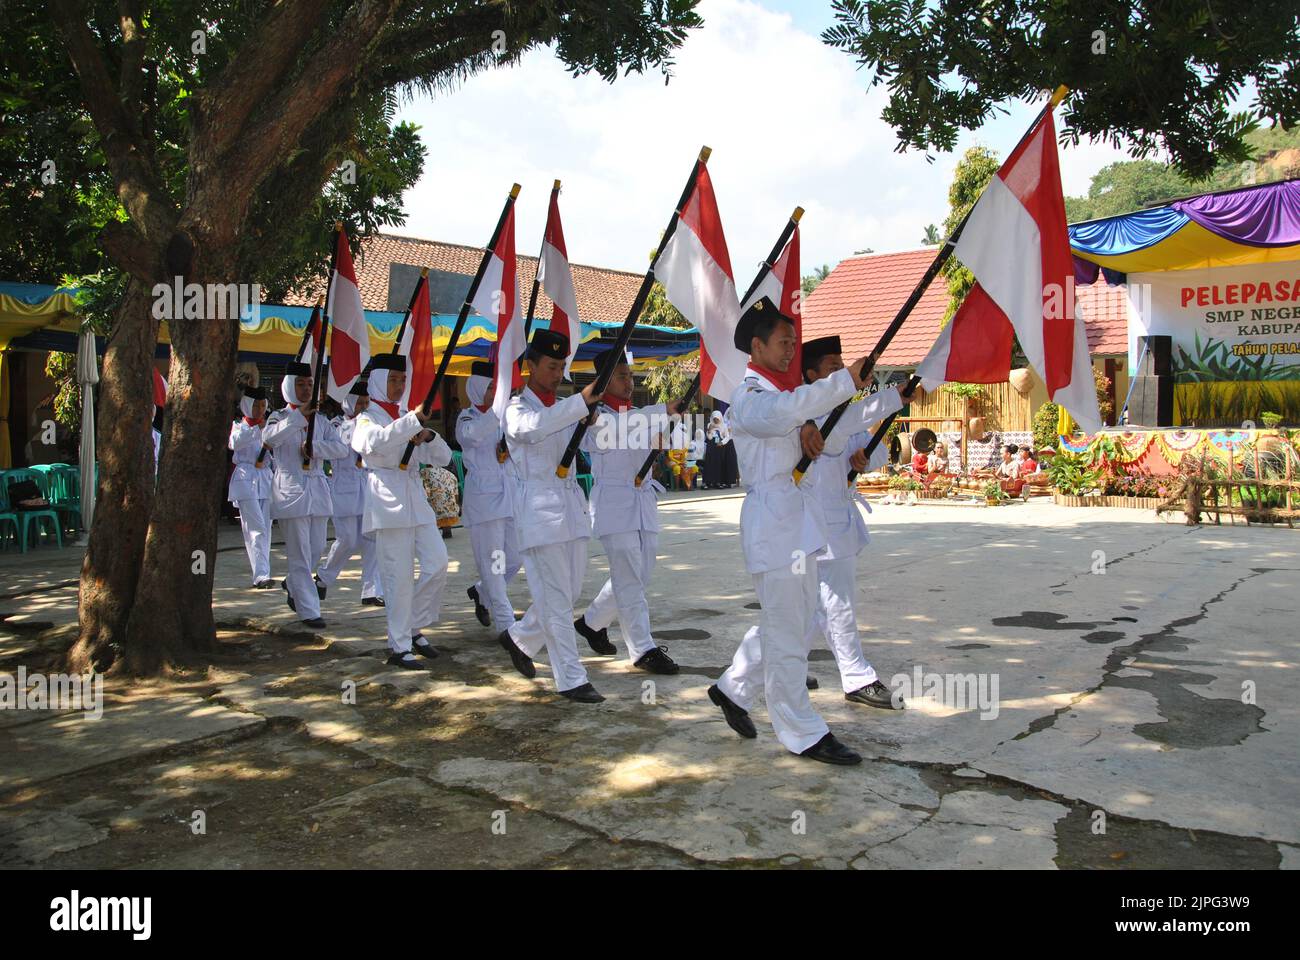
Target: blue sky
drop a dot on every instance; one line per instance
(789, 119)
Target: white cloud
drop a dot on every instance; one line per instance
(788, 118)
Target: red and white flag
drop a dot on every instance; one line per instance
(497, 298)
(349, 337)
(417, 347)
(695, 270)
(556, 277)
(783, 285)
(1017, 246)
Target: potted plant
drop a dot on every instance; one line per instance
(993, 493)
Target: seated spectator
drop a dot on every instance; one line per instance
(939, 459)
(1008, 471)
(920, 464)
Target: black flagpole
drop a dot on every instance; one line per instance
(944, 253)
(638, 304)
(465, 307)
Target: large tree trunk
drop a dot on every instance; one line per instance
(124, 444)
(171, 619)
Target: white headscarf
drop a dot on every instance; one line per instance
(350, 404)
(377, 386)
(288, 387)
(476, 388)
(246, 406)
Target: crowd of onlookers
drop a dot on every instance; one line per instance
(1019, 467)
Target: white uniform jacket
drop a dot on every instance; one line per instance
(546, 509)
(395, 497)
(248, 481)
(487, 494)
(828, 476)
(347, 480)
(779, 520)
(617, 504)
(296, 492)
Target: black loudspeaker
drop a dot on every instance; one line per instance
(1159, 358)
(1152, 402)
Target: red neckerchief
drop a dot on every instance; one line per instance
(293, 406)
(482, 407)
(617, 403)
(542, 395)
(774, 377)
(388, 408)
(253, 423)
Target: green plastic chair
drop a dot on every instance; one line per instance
(29, 517)
(65, 495)
(9, 517)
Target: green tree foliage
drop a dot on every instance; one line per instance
(1150, 76)
(810, 281)
(974, 171)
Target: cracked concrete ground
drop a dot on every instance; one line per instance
(1133, 702)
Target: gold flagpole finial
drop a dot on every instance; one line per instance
(320, 302)
(1059, 94)
(797, 215)
(514, 191)
(705, 153)
(338, 226)
(557, 185)
(424, 271)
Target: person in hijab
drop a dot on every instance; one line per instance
(300, 490)
(347, 490)
(397, 512)
(719, 454)
(487, 512)
(625, 517)
(250, 483)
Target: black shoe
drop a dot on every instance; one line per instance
(657, 661)
(288, 597)
(583, 694)
(523, 663)
(320, 586)
(830, 750)
(875, 694)
(425, 649)
(598, 640)
(737, 719)
(446, 533)
(264, 585)
(484, 615)
(404, 660)
(811, 683)
(372, 601)
(315, 623)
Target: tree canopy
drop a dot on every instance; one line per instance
(1148, 75)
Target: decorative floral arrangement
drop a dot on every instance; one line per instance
(992, 491)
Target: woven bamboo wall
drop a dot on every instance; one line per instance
(1003, 408)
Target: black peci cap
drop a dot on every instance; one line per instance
(549, 343)
(481, 368)
(388, 361)
(297, 369)
(758, 311)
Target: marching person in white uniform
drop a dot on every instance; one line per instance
(398, 513)
(300, 498)
(846, 531)
(486, 510)
(347, 490)
(553, 527)
(626, 519)
(782, 531)
(250, 484)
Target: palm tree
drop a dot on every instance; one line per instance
(931, 238)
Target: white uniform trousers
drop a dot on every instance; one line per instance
(304, 542)
(410, 602)
(776, 652)
(255, 521)
(496, 549)
(631, 561)
(347, 538)
(554, 572)
(837, 621)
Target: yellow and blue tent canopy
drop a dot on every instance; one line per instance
(43, 317)
(1248, 225)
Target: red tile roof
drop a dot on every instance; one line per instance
(859, 298)
(602, 294)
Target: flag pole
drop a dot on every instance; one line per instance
(406, 318)
(503, 451)
(465, 307)
(320, 354)
(302, 345)
(922, 285)
(764, 269)
(638, 304)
